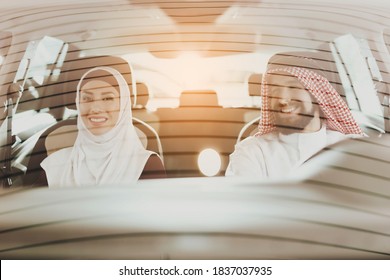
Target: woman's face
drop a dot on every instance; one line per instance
(99, 106)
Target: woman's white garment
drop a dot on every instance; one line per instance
(275, 155)
(117, 156)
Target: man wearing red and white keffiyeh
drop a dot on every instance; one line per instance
(301, 114)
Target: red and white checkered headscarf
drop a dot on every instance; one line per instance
(337, 114)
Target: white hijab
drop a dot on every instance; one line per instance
(116, 156)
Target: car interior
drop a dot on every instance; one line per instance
(194, 70)
(195, 86)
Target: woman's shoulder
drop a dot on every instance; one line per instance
(54, 165)
(57, 158)
(154, 168)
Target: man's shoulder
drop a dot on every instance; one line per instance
(334, 136)
(256, 140)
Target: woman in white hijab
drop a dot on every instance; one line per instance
(107, 149)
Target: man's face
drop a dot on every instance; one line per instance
(292, 106)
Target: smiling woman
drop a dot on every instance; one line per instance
(99, 102)
(107, 148)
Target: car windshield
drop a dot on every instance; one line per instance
(194, 71)
(197, 129)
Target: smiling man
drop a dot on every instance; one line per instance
(294, 109)
(301, 114)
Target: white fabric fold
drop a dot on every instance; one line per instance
(276, 155)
